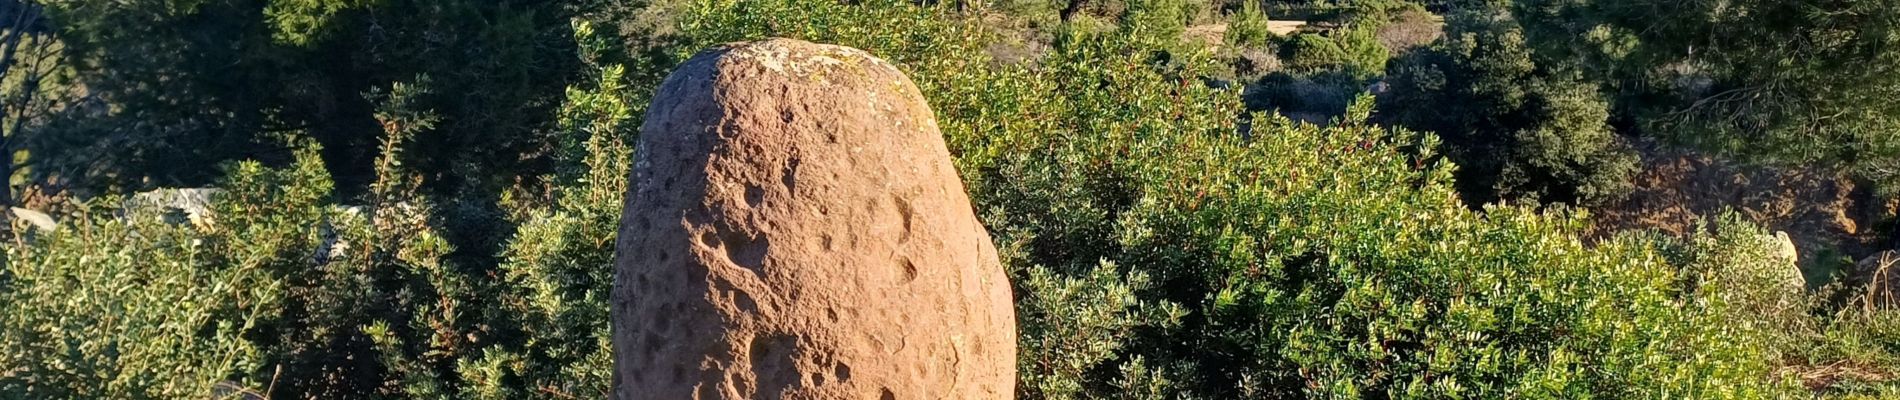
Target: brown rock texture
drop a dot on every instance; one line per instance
(795, 230)
(1826, 213)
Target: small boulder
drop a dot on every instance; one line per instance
(795, 229)
(35, 219)
(1785, 254)
(175, 206)
(1784, 247)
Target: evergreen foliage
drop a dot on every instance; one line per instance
(187, 85)
(1787, 81)
(1247, 27)
(1159, 246)
(1354, 50)
(1517, 129)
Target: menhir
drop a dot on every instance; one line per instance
(796, 231)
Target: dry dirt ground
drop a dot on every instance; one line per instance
(1830, 217)
(1212, 33)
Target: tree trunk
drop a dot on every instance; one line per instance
(23, 15)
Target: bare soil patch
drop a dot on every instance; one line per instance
(1830, 217)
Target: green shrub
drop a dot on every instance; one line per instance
(1363, 12)
(1836, 351)
(1247, 27)
(1517, 129)
(288, 292)
(1324, 262)
(1156, 21)
(1774, 81)
(1072, 325)
(1330, 262)
(557, 270)
(1354, 50)
(138, 308)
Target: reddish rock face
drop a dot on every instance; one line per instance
(796, 230)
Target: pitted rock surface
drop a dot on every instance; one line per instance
(795, 230)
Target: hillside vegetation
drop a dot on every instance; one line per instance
(419, 199)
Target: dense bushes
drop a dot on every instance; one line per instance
(1787, 81)
(1312, 97)
(289, 292)
(1158, 249)
(1328, 262)
(1517, 129)
(1355, 50)
(173, 88)
(132, 308)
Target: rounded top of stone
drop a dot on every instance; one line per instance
(796, 58)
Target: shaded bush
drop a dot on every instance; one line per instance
(1314, 97)
(1354, 50)
(176, 88)
(1791, 82)
(1410, 29)
(1517, 129)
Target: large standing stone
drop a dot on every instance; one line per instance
(796, 230)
